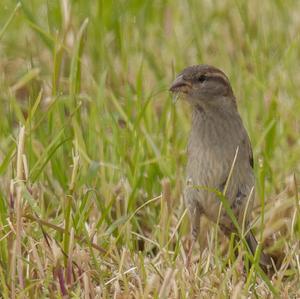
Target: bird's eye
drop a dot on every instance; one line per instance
(202, 78)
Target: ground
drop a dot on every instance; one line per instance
(93, 149)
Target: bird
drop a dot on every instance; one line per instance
(219, 155)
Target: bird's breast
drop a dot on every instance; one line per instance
(211, 152)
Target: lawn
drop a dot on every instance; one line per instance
(93, 149)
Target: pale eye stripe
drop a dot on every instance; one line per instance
(218, 76)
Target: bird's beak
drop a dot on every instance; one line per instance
(180, 85)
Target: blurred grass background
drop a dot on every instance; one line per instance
(92, 149)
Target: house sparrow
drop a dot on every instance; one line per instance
(219, 154)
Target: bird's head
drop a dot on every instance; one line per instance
(203, 84)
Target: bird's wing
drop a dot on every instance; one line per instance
(245, 180)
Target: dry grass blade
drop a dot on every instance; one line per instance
(93, 151)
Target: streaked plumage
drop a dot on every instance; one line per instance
(217, 136)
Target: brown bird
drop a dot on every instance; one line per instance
(219, 154)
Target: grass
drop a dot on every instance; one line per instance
(92, 149)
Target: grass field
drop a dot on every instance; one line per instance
(92, 148)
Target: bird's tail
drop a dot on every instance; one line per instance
(265, 260)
